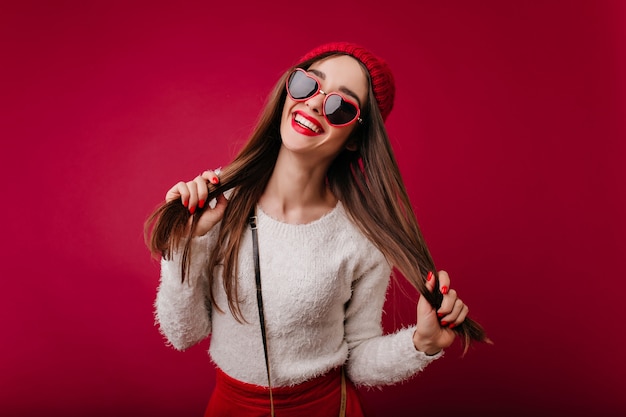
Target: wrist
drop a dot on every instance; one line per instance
(425, 346)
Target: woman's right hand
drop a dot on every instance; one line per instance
(193, 194)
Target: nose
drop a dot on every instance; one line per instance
(316, 102)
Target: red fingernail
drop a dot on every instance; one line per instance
(201, 203)
(444, 323)
(451, 326)
(444, 290)
(185, 202)
(429, 276)
(440, 315)
(192, 209)
(215, 180)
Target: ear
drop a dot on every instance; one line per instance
(351, 145)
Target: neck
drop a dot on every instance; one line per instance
(297, 191)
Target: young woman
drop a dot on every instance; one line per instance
(330, 218)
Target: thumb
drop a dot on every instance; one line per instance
(220, 204)
(423, 306)
(211, 216)
(424, 309)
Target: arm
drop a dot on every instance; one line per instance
(376, 359)
(182, 310)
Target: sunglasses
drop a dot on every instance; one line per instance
(337, 109)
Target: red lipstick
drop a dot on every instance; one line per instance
(306, 119)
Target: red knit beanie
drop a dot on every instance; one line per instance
(380, 73)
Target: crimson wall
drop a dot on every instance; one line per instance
(509, 130)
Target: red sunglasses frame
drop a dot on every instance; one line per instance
(326, 95)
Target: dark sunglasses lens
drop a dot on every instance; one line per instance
(338, 111)
(300, 86)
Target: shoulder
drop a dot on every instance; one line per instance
(354, 239)
(350, 228)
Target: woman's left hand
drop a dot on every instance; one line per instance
(434, 328)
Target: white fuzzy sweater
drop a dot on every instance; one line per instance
(324, 286)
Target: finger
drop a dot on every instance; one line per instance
(203, 190)
(179, 190)
(193, 195)
(461, 317)
(447, 304)
(454, 313)
(444, 282)
(430, 282)
(211, 176)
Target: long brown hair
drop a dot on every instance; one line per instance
(357, 178)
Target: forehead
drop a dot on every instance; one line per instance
(343, 71)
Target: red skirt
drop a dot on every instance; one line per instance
(317, 397)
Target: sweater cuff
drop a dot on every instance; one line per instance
(412, 352)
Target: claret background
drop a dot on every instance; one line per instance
(508, 127)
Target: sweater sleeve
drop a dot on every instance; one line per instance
(182, 309)
(376, 359)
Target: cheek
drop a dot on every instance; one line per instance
(287, 107)
(341, 135)
(284, 119)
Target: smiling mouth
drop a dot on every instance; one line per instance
(302, 121)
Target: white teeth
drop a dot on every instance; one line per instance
(306, 123)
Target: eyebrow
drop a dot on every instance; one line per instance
(343, 89)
